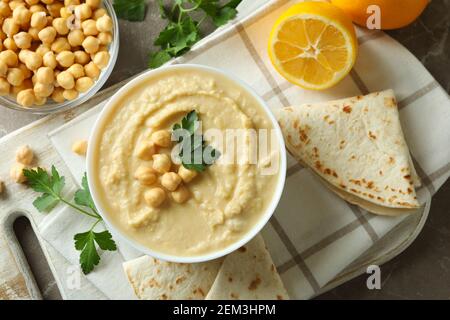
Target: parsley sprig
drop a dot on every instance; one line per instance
(193, 147)
(131, 10)
(183, 30)
(51, 186)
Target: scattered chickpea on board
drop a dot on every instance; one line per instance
(44, 54)
(80, 147)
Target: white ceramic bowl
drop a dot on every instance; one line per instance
(93, 148)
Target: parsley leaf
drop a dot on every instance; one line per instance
(50, 186)
(85, 242)
(194, 144)
(182, 30)
(131, 10)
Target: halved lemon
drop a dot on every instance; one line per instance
(313, 45)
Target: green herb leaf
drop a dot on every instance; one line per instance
(83, 196)
(85, 242)
(131, 10)
(195, 146)
(182, 30)
(49, 185)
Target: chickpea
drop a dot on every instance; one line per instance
(23, 40)
(68, 3)
(65, 58)
(145, 150)
(99, 13)
(89, 27)
(70, 94)
(65, 12)
(10, 44)
(170, 181)
(104, 24)
(3, 68)
(47, 35)
(93, 3)
(39, 101)
(34, 33)
(81, 57)
(16, 173)
(60, 25)
(5, 86)
(65, 79)
(42, 50)
(39, 20)
(105, 38)
(80, 147)
(47, 1)
(21, 15)
(9, 57)
(57, 95)
(26, 84)
(5, 10)
(75, 37)
(83, 11)
(91, 44)
(15, 76)
(101, 59)
(26, 98)
(145, 175)
(91, 70)
(26, 72)
(45, 75)
(161, 163)
(54, 9)
(186, 174)
(2, 34)
(60, 45)
(32, 2)
(10, 27)
(84, 84)
(76, 70)
(43, 90)
(16, 3)
(49, 20)
(155, 197)
(181, 195)
(37, 8)
(162, 138)
(33, 60)
(49, 60)
(24, 155)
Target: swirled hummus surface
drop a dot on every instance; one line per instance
(226, 200)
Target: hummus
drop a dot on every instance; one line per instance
(226, 200)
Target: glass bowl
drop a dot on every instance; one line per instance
(52, 107)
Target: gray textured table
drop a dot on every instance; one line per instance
(421, 272)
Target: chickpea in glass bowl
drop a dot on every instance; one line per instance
(55, 54)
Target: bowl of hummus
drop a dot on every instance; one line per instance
(186, 163)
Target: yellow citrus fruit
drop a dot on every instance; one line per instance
(393, 13)
(313, 45)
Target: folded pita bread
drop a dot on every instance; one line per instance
(356, 145)
(154, 279)
(248, 274)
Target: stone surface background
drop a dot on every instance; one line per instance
(421, 272)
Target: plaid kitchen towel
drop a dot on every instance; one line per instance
(314, 235)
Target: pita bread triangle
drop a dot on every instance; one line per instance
(356, 146)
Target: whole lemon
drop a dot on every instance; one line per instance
(394, 13)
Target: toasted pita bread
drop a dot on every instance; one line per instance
(153, 279)
(357, 146)
(248, 274)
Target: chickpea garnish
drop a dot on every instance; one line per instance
(24, 155)
(161, 163)
(162, 138)
(181, 195)
(170, 181)
(5, 86)
(84, 84)
(145, 175)
(186, 174)
(145, 150)
(155, 197)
